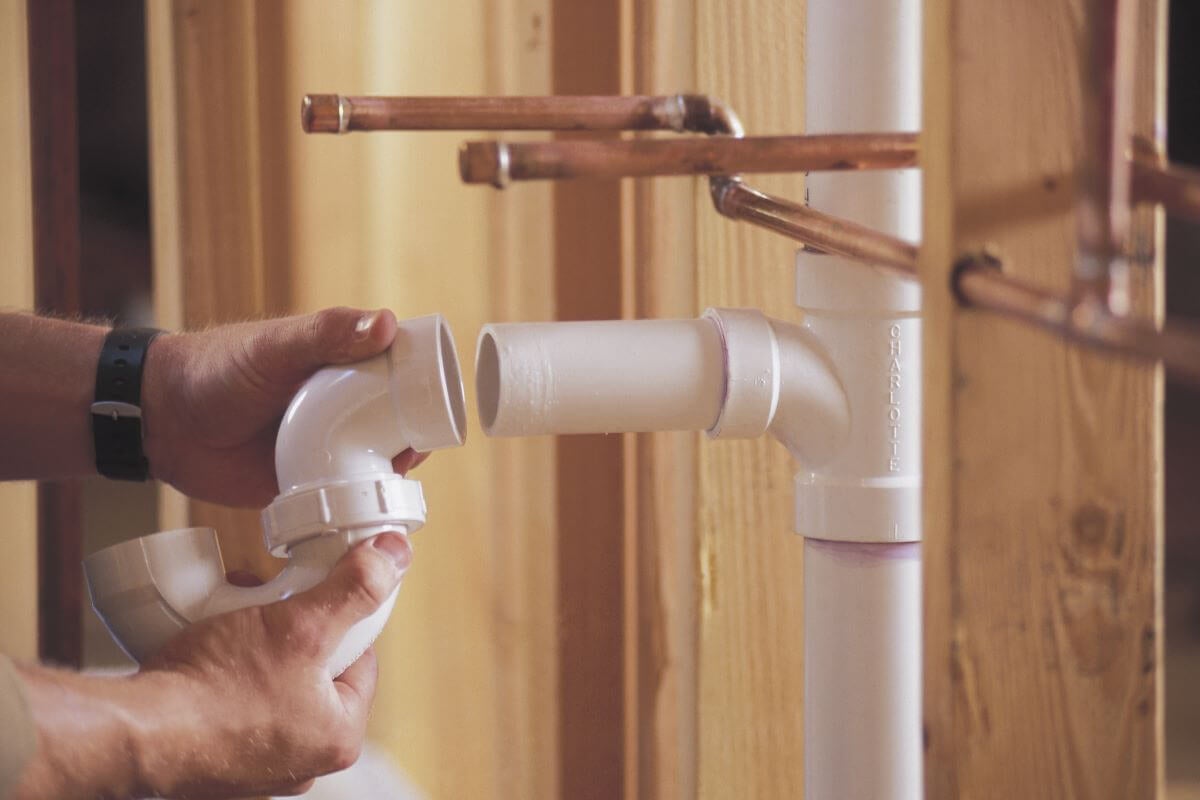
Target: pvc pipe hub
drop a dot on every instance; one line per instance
(751, 370)
(429, 403)
(374, 501)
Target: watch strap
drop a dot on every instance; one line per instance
(117, 411)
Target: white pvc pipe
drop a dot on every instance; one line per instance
(599, 377)
(333, 462)
(862, 658)
(862, 689)
(733, 373)
(863, 75)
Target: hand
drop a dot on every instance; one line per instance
(239, 704)
(213, 399)
(267, 718)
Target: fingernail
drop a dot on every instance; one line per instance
(363, 328)
(395, 547)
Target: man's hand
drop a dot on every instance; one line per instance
(239, 704)
(213, 400)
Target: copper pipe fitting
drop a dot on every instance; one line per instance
(1103, 214)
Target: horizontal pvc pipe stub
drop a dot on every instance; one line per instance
(751, 373)
(372, 501)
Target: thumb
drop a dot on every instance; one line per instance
(357, 585)
(298, 346)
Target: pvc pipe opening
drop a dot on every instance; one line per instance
(487, 381)
(452, 384)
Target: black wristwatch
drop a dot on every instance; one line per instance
(117, 410)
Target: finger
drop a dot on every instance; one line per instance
(408, 460)
(356, 686)
(357, 585)
(291, 349)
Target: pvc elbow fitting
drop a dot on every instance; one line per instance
(333, 461)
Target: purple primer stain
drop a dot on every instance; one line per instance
(862, 554)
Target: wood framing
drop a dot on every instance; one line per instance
(1043, 472)
(522, 255)
(19, 570)
(749, 53)
(54, 158)
(591, 564)
(716, 605)
(661, 473)
(207, 218)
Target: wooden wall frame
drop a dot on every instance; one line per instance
(1043, 468)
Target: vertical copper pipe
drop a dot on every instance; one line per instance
(1103, 212)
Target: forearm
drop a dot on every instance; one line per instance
(46, 385)
(101, 737)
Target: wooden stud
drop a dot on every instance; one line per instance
(18, 572)
(591, 575)
(54, 156)
(750, 54)
(1043, 476)
(661, 528)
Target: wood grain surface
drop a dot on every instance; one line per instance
(1042, 462)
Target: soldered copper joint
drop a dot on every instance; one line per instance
(324, 113)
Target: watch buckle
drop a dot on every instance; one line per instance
(116, 410)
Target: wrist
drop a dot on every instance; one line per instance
(165, 733)
(97, 737)
(159, 382)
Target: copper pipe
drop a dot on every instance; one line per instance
(979, 282)
(1086, 316)
(822, 232)
(1175, 187)
(1103, 216)
(332, 113)
(484, 162)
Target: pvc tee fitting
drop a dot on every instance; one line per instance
(733, 373)
(337, 487)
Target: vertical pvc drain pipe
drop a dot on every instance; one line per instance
(861, 513)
